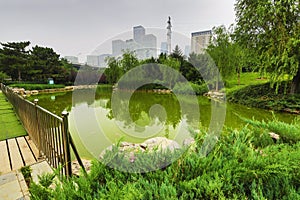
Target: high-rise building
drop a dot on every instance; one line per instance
(144, 45)
(92, 60)
(101, 60)
(117, 47)
(97, 60)
(138, 33)
(187, 50)
(164, 47)
(72, 59)
(200, 41)
(149, 44)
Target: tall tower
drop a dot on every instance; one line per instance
(169, 33)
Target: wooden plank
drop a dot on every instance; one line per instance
(33, 147)
(4, 164)
(26, 152)
(16, 160)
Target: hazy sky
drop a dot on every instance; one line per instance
(77, 27)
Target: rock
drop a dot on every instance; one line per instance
(157, 143)
(274, 136)
(34, 92)
(188, 141)
(76, 167)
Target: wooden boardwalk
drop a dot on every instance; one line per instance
(16, 153)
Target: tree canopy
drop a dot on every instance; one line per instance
(272, 29)
(37, 64)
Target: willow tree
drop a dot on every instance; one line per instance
(272, 29)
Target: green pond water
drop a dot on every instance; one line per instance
(99, 118)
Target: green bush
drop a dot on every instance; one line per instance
(262, 96)
(244, 164)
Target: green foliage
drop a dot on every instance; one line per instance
(192, 88)
(273, 32)
(263, 96)
(28, 86)
(26, 171)
(3, 76)
(239, 167)
(35, 65)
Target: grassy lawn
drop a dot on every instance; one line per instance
(248, 78)
(10, 126)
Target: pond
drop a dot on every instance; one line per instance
(100, 118)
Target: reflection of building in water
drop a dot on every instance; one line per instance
(97, 60)
(144, 45)
(200, 41)
(72, 59)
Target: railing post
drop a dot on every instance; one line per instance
(66, 142)
(35, 101)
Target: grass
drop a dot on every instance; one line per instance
(29, 86)
(244, 164)
(246, 79)
(10, 126)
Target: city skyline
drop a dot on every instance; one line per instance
(76, 28)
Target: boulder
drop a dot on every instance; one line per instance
(157, 143)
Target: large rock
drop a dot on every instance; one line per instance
(157, 144)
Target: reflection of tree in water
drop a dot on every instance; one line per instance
(54, 102)
(140, 104)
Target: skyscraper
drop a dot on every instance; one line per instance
(117, 47)
(138, 33)
(200, 41)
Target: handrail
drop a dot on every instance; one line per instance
(49, 132)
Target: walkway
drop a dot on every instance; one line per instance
(16, 153)
(13, 185)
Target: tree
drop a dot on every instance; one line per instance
(14, 59)
(46, 63)
(220, 49)
(128, 61)
(113, 71)
(272, 29)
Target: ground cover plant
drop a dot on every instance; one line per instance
(244, 164)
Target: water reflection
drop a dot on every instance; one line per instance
(94, 125)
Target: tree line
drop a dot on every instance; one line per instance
(19, 63)
(265, 38)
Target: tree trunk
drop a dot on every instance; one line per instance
(295, 86)
(239, 76)
(19, 75)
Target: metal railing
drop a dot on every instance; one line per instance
(49, 132)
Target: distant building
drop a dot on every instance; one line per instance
(200, 41)
(138, 33)
(144, 45)
(101, 60)
(187, 50)
(149, 45)
(92, 60)
(117, 47)
(72, 59)
(97, 60)
(164, 47)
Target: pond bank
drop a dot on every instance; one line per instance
(265, 97)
